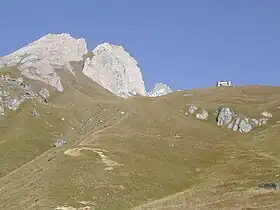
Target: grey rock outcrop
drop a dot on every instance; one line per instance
(45, 94)
(12, 103)
(192, 109)
(266, 114)
(255, 122)
(108, 65)
(260, 122)
(263, 121)
(115, 70)
(236, 124)
(245, 126)
(203, 115)
(224, 116)
(13, 92)
(160, 89)
(40, 59)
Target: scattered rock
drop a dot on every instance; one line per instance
(192, 109)
(225, 116)
(13, 92)
(35, 113)
(230, 125)
(177, 135)
(263, 121)
(45, 94)
(59, 143)
(4, 93)
(266, 114)
(244, 126)
(122, 113)
(255, 122)
(12, 104)
(270, 186)
(203, 115)
(99, 122)
(241, 125)
(236, 124)
(260, 122)
(49, 124)
(121, 187)
(50, 158)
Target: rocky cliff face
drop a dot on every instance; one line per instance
(40, 59)
(160, 89)
(14, 91)
(115, 70)
(108, 65)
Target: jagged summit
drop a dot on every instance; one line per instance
(107, 46)
(160, 89)
(115, 70)
(39, 59)
(108, 65)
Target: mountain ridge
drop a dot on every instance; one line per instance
(111, 67)
(88, 148)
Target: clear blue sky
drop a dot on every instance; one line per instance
(184, 43)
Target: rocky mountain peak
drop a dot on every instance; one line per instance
(109, 65)
(106, 46)
(39, 59)
(115, 70)
(160, 89)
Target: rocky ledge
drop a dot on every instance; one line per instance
(14, 91)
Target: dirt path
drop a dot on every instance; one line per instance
(104, 129)
(52, 149)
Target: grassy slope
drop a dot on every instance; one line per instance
(204, 168)
(23, 136)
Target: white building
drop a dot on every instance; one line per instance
(224, 83)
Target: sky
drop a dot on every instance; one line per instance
(183, 43)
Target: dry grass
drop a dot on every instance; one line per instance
(134, 160)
